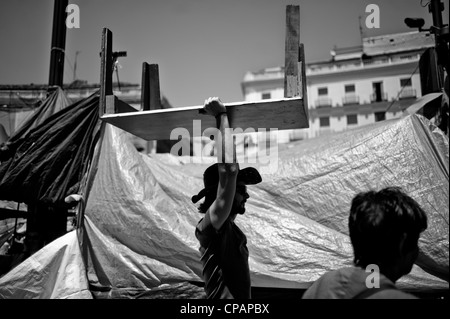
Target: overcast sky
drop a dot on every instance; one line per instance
(203, 47)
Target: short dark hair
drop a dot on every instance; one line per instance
(378, 221)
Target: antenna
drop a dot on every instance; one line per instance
(75, 66)
(361, 32)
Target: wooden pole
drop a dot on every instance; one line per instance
(150, 92)
(106, 70)
(292, 85)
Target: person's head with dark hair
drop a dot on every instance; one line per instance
(384, 230)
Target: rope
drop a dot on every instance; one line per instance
(400, 92)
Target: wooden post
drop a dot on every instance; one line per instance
(145, 88)
(292, 85)
(302, 74)
(106, 71)
(150, 92)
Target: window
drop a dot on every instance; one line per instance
(324, 121)
(266, 96)
(380, 116)
(352, 119)
(378, 94)
(405, 82)
(350, 88)
(322, 91)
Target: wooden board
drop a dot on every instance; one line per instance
(153, 123)
(288, 113)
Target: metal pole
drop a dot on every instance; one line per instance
(441, 35)
(58, 44)
(436, 7)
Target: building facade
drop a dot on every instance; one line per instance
(357, 86)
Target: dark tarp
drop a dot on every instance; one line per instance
(54, 103)
(44, 163)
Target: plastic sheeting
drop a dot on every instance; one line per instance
(55, 272)
(54, 103)
(138, 234)
(139, 221)
(44, 163)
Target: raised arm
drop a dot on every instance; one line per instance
(228, 168)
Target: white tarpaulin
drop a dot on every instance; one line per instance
(138, 231)
(55, 272)
(140, 221)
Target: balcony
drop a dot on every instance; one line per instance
(380, 97)
(407, 93)
(323, 102)
(350, 99)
